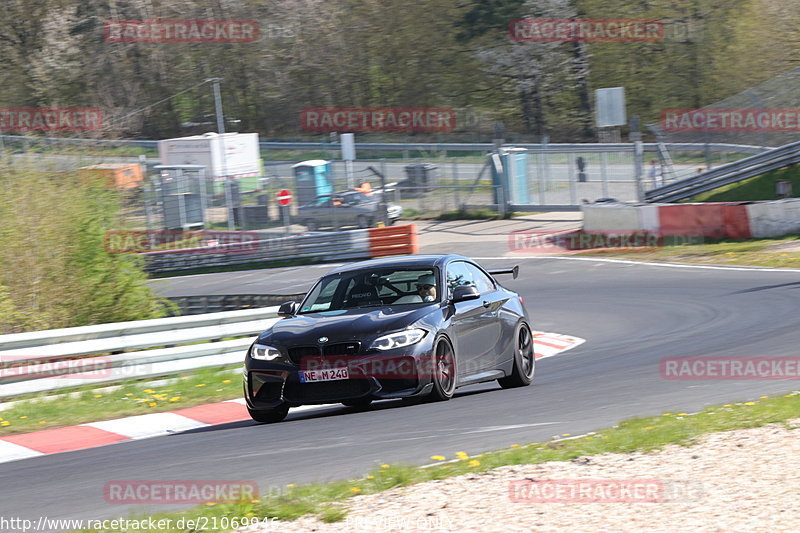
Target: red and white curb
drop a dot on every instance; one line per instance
(94, 434)
(546, 344)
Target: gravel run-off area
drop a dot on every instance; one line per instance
(736, 481)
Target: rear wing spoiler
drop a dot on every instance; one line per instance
(514, 271)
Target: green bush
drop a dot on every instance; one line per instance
(55, 271)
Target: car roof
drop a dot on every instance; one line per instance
(418, 261)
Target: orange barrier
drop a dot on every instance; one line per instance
(393, 240)
(119, 175)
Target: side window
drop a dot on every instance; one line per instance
(483, 282)
(457, 274)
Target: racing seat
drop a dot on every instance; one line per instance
(363, 295)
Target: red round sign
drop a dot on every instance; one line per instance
(284, 197)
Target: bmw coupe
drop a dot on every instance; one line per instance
(407, 327)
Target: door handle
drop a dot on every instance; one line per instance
(486, 304)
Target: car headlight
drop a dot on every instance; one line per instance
(398, 339)
(264, 352)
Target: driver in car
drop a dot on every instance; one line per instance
(426, 291)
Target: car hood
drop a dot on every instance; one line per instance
(343, 325)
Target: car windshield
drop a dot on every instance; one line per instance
(372, 288)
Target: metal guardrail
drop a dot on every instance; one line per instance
(317, 247)
(430, 147)
(195, 305)
(345, 245)
(56, 359)
(726, 174)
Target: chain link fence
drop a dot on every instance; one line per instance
(419, 181)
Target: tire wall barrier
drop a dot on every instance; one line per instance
(741, 220)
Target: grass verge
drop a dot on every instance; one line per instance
(638, 434)
(131, 398)
(758, 188)
(763, 252)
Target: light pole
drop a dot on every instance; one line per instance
(218, 105)
(226, 184)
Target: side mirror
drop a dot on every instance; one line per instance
(287, 309)
(462, 293)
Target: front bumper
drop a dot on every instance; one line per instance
(399, 373)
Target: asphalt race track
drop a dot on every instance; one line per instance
(631, 315)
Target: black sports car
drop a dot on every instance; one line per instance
(414, 326)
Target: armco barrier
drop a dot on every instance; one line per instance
(198, 305)
(55, 359)
(327, 246)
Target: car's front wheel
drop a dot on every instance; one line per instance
(524, 359)
(269, 416)
(443, 372)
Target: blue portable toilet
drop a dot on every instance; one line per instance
(514, 176)
(312, 179)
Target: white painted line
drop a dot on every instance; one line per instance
(504, 428)
(11, 452)
(643, 263)
(145, 426)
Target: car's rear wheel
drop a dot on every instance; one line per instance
(360, 403)
(444, 372)
(269, 416)
(524, 359)
(363, 222)
(310, 224)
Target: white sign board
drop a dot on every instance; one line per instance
(610, 107)
(348, 146)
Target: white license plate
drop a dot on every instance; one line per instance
(328, 374)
